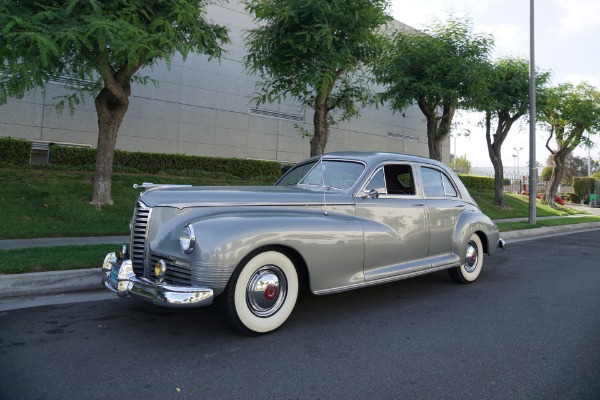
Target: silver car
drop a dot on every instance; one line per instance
(332, 223)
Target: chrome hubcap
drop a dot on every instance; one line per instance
(266, 291)
(471, 258)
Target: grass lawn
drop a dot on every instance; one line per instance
(39, 203)
(41, 259)
(517, 206)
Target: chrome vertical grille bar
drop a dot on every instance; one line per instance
(139, 233)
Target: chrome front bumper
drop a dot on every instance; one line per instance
(118, 277)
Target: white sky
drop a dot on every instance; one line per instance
(566, 36)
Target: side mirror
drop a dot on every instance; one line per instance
(373, 194)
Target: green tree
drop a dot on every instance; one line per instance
(569, 111)
(441, 69)
(100, 46)
(460, 164)
(317, 52)
(504, 101)
(574, 167)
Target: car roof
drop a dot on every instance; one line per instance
(374, 157)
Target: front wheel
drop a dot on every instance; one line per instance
(471, 268)
(262, 293)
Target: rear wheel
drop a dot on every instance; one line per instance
(262, 293)
(471, 268)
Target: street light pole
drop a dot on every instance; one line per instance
(515, 174)
(532, 111)
(455, 137)
(517, 150)
(589, 156)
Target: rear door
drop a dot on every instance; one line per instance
(444, 206)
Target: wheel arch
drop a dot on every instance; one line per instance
(474, 223)
(293, 254)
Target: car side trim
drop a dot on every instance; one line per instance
(385, 280)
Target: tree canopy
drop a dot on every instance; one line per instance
(317, 52)
(99, 46)
(441, 69)
(569, 112)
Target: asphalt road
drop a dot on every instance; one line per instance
(529, 328)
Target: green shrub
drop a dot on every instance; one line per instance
(573, 198)
(15, 151)
(546, 173)
(154, 163)
(583, 186)
(477, 182)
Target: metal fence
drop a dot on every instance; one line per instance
(515, 181)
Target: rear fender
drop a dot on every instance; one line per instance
(471, 222)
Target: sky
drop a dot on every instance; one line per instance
(566, 43)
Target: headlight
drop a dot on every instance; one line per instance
(187, 239)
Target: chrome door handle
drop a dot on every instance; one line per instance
(418, 204)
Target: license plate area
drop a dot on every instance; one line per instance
(114, 277)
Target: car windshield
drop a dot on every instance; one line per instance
(332, 174)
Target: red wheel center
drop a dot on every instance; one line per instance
(271, 292)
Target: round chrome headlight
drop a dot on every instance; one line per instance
(187, 239)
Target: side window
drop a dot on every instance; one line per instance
(399, 179)
(449, 188)
(436, 184)
(377, 182)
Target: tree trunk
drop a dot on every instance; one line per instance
(111, 111)
(505, 122)
(434, 145)
(321, 128)
(558, 159)
(438, 128)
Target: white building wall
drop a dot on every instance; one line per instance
(201, 107)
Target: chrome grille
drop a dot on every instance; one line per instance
(176, 274)
(139, 233)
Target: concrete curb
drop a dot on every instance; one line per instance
(537, 233)
(37, 283)
(12, 244)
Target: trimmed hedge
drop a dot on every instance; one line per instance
(15, 151)
(154, 163)
(477, 182)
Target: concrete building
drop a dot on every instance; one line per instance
(201, 107)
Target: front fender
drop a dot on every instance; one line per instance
(331, 245)
(471, 222)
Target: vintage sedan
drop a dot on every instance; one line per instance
(332, 223)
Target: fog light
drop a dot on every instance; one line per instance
(160, 269)
(123, 252)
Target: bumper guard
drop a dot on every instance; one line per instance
(118, 277)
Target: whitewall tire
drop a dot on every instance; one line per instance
(261, 293)
(469, 271)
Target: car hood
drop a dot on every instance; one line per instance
(218, 196)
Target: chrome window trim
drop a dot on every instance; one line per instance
(361, 192)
